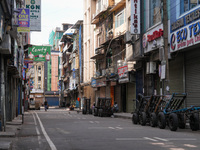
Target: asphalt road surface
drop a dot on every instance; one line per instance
(61, 129)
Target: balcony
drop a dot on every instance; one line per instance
(95, 17)
(118, 5)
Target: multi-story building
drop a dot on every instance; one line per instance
(12, 47)
(184, 60)
(88, 49)
(52, 70)
(114, 76)
(36, 77)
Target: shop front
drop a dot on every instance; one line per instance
(127, 85)
(154, 60)
(184, 48)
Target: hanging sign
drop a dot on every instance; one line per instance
(23, 20)
(35, 14)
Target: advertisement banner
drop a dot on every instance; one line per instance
(35, 14)
(39, 53)
(23, 20)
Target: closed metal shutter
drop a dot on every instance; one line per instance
(131, 94)
(176, 74)
(192, 73)
(53, 101)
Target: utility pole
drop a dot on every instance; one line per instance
(165, 36)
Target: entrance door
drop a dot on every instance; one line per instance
(123, 98)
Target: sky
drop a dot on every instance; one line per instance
(53, 14)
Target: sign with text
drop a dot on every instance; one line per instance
(135, 16)
(23, 20)
(39, 53)
(122, 71)
(35, 14)
(185, 31)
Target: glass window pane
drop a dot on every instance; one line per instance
(193, 3)
(155, 12)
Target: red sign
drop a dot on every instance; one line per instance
(155, 35)
(122, 70)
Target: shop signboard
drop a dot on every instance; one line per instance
(93, 82)
(185, 31)
(23, 20)
(153, 39)
(35, 14)
(122, 71)
(135, 16)
(39, 53)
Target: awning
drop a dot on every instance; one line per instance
(98, 56)
(118, 5)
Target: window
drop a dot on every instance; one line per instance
(155, 12)
(186, 5)
(119, 19)
(99, 5)
(39, 78)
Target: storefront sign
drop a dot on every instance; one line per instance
(156, 34)
(100, 82)
(135, 16)
(144, 41)
(93, 82)
(185, 31)
(123, 80)
(23, 20)
(122, 71)
(185, 37)
(154, 38)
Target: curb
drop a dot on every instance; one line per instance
(122, 116)
(7, 134)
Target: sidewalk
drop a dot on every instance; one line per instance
(123, 115)
(7, 138)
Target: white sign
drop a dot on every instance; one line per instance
(35, 14)
(122, 71)
(154, 39)
(135, 16)
(185, 37)
(163, 70)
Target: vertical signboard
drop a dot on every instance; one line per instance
(39, 53)
(23, 20)
(135, 16)
(35, 14)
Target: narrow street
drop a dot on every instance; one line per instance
(62, 129)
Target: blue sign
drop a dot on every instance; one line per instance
(23, 18)
(94, 82)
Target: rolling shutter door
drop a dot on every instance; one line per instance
(192, 72)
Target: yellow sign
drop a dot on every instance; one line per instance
(23, 29)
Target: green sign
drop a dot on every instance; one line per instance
(39, 53)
